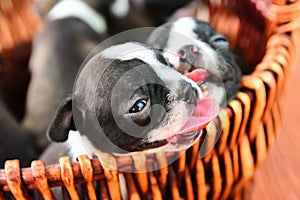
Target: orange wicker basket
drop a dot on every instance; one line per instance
(264, 33)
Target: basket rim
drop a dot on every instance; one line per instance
(279, 43)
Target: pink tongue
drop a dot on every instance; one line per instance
(206, 110)
(197, 75)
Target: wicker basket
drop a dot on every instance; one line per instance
(264, 33)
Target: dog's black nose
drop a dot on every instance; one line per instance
(189, 93)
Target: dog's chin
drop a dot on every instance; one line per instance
(151, 145)
(177, 142)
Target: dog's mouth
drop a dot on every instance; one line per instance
(200, 76)
(197, 75)
(204, 112)
(207, 108)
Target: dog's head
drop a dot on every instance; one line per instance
(193, 44)
(127, 99)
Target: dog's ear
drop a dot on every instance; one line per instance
(62, 123)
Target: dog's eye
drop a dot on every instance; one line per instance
(195, 49)
(220, 40)
(138, 106)
(181, 54)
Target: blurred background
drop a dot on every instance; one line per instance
(279, 175)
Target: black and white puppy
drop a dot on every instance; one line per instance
(193, 44)
(71, 30)
(127, 99)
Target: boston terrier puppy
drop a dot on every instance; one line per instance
(191, 44)
(127, 99)
(70, 31)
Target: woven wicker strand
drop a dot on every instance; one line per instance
(40, 179)
(249, 124)
(14, 182)
(87, 173)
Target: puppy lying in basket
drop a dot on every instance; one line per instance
(127, 98)
(191, 44)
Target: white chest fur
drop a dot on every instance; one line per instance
(79, 145)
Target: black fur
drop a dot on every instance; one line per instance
(228, 69)
(58, 51)
(103, 94)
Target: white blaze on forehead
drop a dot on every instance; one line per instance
(133, 50)
(78, 9)
(181, 34)
(185, 26)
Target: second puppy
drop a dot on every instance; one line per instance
(193, 44)
(71, 30)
